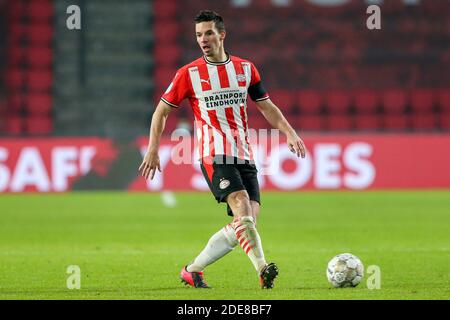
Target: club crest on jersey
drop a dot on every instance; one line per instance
(224, 184)
(241, 77)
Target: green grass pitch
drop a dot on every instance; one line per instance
(130, 246)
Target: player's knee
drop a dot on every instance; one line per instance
(239, 197)
(241, 201)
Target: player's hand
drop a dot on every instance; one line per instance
(296, 145)
(149, 165)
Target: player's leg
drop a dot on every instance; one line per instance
(220, 244)
(223, 241)
(270, 272)
(255, 209)
(245, 228)
(248, 173)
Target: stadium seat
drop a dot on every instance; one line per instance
(167, 54)
(367, 122)
(324, 50)
(164, 31)
(366, 101)
(3, 118)
(38, 104)
(396, 121)
(39, 34)
(321, 76)
(309, 101)
(39, 125)
(15, 102)
(16, 32)
(39, 57)
(39, 11)
(3, 105)
(258, 122)
(337, 102)
(15, 54)
(15, 79)
(444, 121)
(394, 6)
(16, 9)
(434, 8)
(394, 101)
(308, 123)
(164, 75)
(252, 25)
(39, 80)
(444, 100)
(165, 8)
(14, 125)
(424, 121)
(333, 55)
(338, 122)
(422, 101)
(284, 99)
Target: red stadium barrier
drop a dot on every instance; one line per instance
(334, 162)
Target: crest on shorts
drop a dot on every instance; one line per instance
(224, 184)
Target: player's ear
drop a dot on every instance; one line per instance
(222, 35)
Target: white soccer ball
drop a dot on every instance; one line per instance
(345, 270)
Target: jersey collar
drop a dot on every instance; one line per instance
(218, 63)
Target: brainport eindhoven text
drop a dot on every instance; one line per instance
(225, 99)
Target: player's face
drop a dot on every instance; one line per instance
(209, 38)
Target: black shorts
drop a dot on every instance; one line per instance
(227, 174)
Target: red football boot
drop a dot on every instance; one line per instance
(194, 279)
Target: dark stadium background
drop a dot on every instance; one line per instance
(322, 66)
(320, 63)
(373, 107)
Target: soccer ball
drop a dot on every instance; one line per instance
(345, 270)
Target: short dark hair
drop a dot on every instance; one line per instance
(209, 15)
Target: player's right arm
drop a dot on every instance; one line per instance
(151, 159)
(175, 93)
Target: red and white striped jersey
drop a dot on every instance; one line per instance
(217, 93)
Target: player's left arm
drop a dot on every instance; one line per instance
(277, 120)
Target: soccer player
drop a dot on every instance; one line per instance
(216, 86)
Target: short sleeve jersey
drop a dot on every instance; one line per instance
(217, 93)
